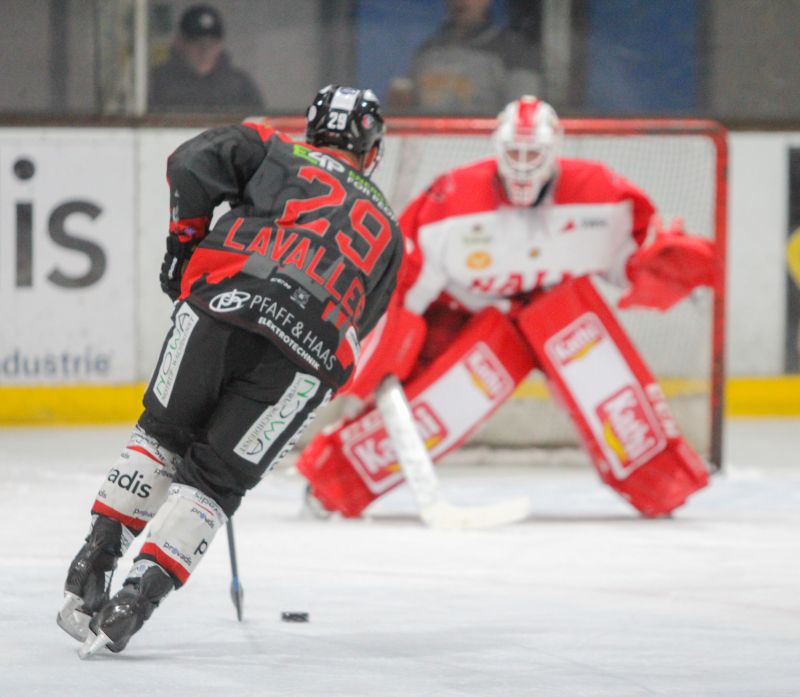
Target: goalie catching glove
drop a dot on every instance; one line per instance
(665, 271)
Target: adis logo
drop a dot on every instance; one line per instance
(629, 428)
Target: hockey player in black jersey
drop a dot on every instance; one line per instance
(270, 307)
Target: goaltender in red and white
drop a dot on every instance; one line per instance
(496, 282)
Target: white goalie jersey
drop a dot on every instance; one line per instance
(469, 243)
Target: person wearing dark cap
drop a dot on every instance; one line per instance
(199, 76)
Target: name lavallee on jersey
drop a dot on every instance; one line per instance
(290, 249)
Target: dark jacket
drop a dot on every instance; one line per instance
(175, 87)
(474, 74)
(308, 254)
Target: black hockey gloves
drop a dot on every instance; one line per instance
(174, 263)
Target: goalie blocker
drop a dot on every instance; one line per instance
(618, 408)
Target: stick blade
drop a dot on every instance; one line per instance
(445, 516)
(417, 466)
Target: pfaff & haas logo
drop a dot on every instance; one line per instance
(374, 457)
(576, 340)
(230, 301)
(629, 428)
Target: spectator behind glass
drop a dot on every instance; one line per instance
(469, 66)
(198, 76)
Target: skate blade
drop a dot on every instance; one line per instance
(313, 509)
(93, 644)
(71, 620)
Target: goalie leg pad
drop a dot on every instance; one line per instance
(137, 484)
(352, 463)
(616, 404)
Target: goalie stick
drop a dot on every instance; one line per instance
(416, 464)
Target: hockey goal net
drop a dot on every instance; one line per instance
(681, 164)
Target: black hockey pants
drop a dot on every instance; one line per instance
(229, 401)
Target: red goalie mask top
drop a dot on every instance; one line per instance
(527, 141)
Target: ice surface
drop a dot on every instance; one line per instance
(583, 599)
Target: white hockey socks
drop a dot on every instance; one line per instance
(137, 484)
(182, 530)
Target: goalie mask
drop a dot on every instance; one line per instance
(527, 141)
(348, 119)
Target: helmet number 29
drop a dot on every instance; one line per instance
(337, 120)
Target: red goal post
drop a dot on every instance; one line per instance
(681, 164)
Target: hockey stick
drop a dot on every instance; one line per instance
(417, 467)
(237, 592)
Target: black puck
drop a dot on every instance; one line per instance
(294, 616)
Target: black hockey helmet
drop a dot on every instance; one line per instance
(346, 118)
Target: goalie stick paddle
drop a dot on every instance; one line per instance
(417, 466)
(237, 592)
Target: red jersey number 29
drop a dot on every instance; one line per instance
(360, 212)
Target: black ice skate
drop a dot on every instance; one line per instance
(124, 614)
(89, 575)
